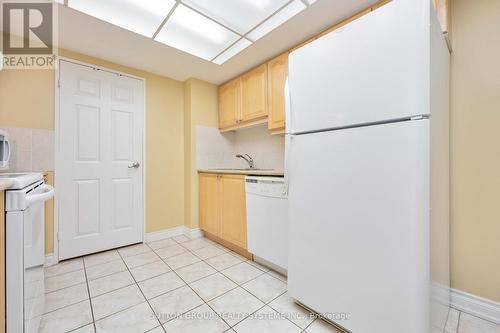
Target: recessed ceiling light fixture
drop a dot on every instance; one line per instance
(140, 16)
(214, 30)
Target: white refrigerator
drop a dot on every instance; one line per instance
(367, 172)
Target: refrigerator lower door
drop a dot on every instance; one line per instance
(359, 226)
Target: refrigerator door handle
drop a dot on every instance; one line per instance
(288, 146)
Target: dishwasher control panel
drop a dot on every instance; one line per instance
(266, 186)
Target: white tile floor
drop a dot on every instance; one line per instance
(186, 286)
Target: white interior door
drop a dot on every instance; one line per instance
(100, 138)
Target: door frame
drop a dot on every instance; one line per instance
(57, 101)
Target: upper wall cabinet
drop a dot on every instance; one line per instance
(254, 94)
(277, 71)
(247, 100)
(243, 101)
(229, 104)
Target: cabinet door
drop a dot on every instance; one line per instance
(254, 94)
(229, 103)
(277, 70)
(233, 210)
(209, 203)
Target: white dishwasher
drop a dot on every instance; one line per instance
(267, 230)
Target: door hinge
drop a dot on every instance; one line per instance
(58, 83)
(57, 236)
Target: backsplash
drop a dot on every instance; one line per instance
(217, 150)
(32, 149)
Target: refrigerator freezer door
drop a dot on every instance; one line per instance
(358, 212)
(377, 60)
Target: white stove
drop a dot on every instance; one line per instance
(25, 250)
(21, 180)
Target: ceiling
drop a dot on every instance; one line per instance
(85, 34)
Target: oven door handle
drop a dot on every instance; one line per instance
(47, 193)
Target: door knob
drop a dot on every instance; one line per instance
(134, 165)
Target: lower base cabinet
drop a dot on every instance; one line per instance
(223, 207)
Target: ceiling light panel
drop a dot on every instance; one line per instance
(193, 33)
(232, 51)
(142, 17)
(277, 19)
(239, 15)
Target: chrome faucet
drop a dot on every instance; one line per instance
(248, 159)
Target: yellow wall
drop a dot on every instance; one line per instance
(27, 100)
(200, 104)
(475, 147)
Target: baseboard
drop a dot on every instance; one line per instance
(193, 233)
(172, 232)
(440, 293)
(164, 234)
(475, 305)
(50, 260)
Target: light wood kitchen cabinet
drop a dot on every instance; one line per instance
(254, 94)
(277, 71)
(229, 104)
(223, 207)
(233, 226)
(209, 203)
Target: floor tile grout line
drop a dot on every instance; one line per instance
(477, 317)
(68, 305)
(124, 309)
(203, 300)
(137, 284)
(129, 307)
(187, 284)
(163, 260)
(237, 285)
(129, 268)
(241, 286)
(72, 286)
(446, 321)
(111, 291)
(59, 274)
(90, 299)
(85, 300)
(108, 275)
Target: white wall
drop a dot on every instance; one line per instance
(217, 150)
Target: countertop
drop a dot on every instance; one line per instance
(247, 172)
(5, 184)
